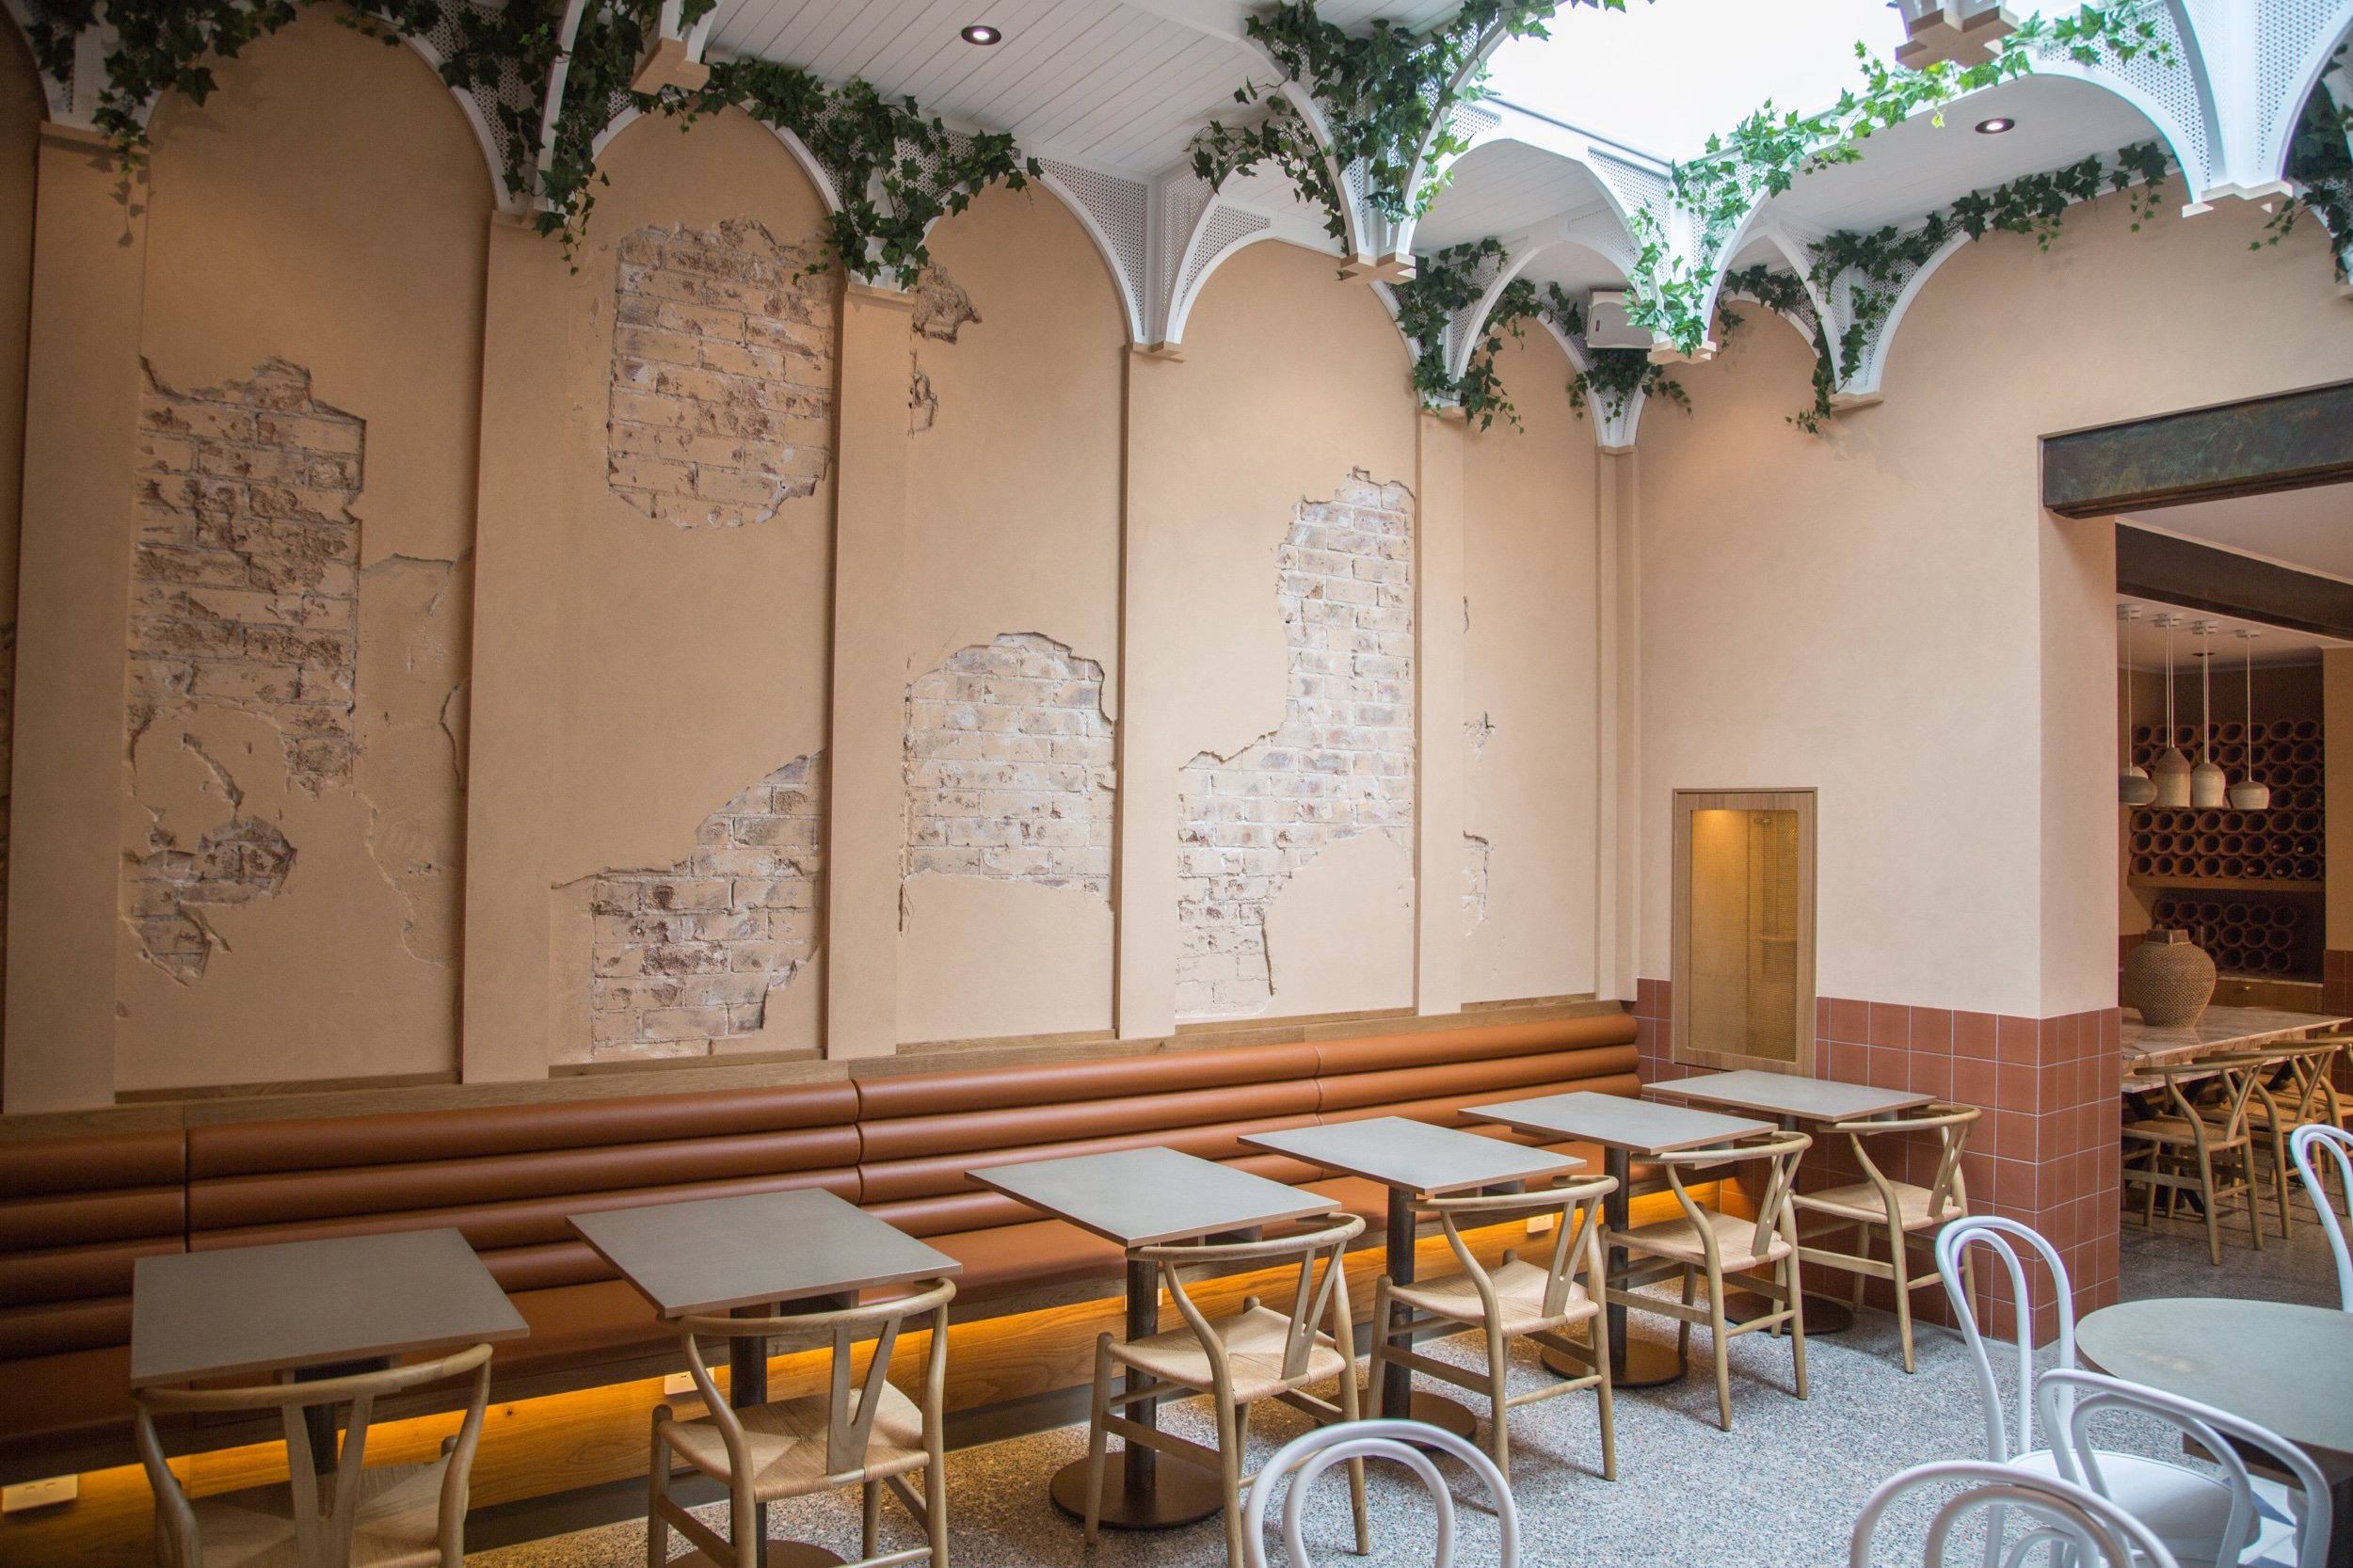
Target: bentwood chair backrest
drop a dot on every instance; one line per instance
(1948, 1194)
(322, 1524)
(1575, 1207)
(2300, 1092)
(2070, 1401)
(1773, 1208)
(2074, 1524)
(849, 1422)
(1997, 1235)
(1315, 1291)
(1408, 1443)
(2222, 1120)
(2312, 1144)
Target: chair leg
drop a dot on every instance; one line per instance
(2205, 1191)
(2279, 1171)
(1600, 1342)
(1683, 1330)
(1722, 1348)
(1855, 1276)
(1098, 1412)
(1796, 1317)
(1500, 1417)
(1376, 1371)
(1903, 1292)
(1229, 1477)
(1351, 1408)
(936, 1501)
(869, 1521)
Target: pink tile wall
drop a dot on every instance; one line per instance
(2045, 1152)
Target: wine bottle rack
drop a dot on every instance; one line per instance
(2281, 848)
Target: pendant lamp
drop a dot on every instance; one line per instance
(2134, 786)
(2247, 795)
(2208, 785)
(2171, 774)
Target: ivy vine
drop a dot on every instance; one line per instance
(1386, 98)
(1764, 155)
(2320, 163)
(1785, 293)
(1451, 281)
(898, 169)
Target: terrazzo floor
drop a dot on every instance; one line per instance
(1779, 1490)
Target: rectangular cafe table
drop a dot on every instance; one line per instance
(762, 1255)
(1793, 1098)
(1417, 1159)
(1142, 1198)
(318, 1309)
(1626, 1129)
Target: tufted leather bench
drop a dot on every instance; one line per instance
(76, 1211)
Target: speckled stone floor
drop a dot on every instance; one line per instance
(1779, 1490)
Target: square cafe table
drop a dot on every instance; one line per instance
(1142, 1198)
(318, 1309)
(1624, 1129)
(1417, 1159)
(1793, 1098)
(758, 1256)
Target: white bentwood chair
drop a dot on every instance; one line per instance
(2074, 1525)
(2205, 1522)
(2312, 1144)
(1354, 1442)
(1997, 1235)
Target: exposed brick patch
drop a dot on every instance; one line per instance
(245, 587)
(689, 955)
(1476, 851)
(169, 887)
(1340, 765)
(722, 392)
(1009, 767)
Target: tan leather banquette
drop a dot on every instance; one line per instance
(75, 1212)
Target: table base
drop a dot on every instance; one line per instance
(1642, 1363)
(1824, 1314)
(1446, 1415)
(1180, 1494)
(781, 1553)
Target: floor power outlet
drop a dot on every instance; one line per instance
(40, 1494)
(679, 1382)
(1540, 1223)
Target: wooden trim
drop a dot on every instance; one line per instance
(691, 1075)
(2284, 441)
(1802, 801)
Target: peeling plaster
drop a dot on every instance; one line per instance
(1478, 731)
(1476, 852)
(410, 771)
(1340, 765)
(942, 310)
(202, 852)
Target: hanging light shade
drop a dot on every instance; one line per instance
(2171, 772)
(2209, 787)
(2134, 787)
(2247, 794)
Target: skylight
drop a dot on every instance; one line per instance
(1663, 77)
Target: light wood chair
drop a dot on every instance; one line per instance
(1238, 1359)
(872, 1436)
(2204, 1150)
(1708, 1245)
(355, 1516)
(1520, 1299)
(2289, 1094)
(1900, 1211)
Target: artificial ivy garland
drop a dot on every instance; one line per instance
(1386, 98)
(2320, 161)
(1450, 282)
(898, 169)
(1762, 156)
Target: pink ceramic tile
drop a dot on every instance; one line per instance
(1974, 1036)
(1850, 1021)
(1889, 1024)
(2018, 1039)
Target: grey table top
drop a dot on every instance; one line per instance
(713, 1255)
(1808, 1099)
(1614, 1121)
(244, 1310)
(1427, 1160)
(2280, 1366)
(1140, 1197)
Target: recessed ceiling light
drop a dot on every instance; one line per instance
(1993, 127)
(982, 33)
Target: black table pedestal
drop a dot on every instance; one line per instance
(1136, 1493)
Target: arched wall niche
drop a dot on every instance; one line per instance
(698, 470)
(1012, 562)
